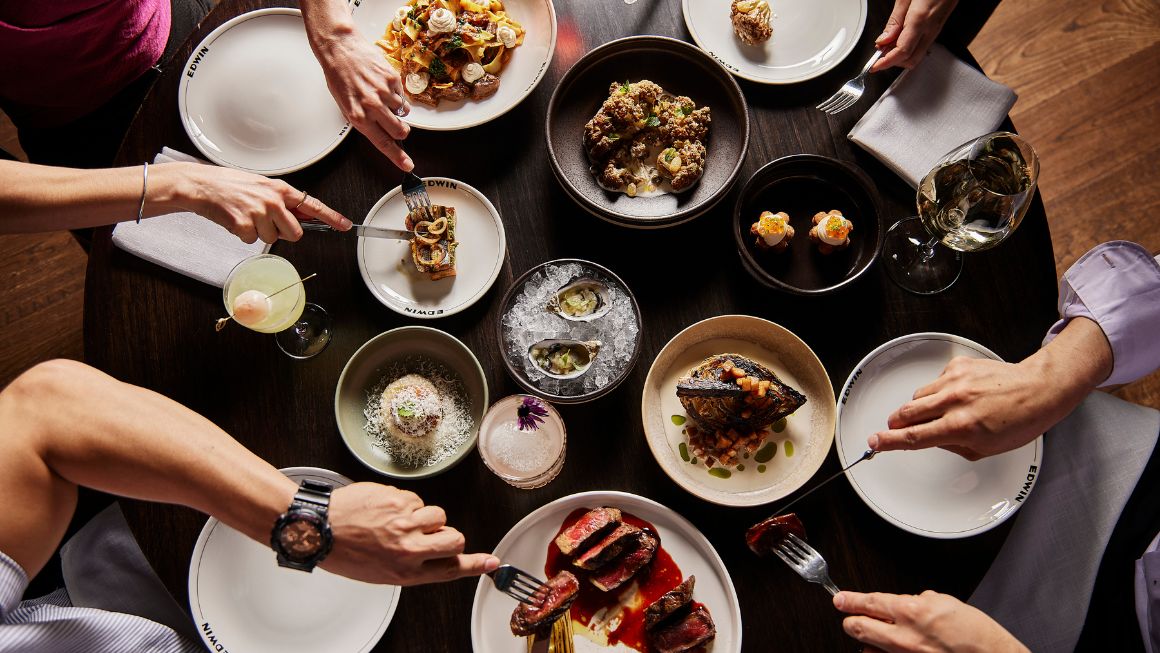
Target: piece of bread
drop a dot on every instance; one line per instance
(436, 260)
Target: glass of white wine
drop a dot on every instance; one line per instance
(265, 293)
(972, 199)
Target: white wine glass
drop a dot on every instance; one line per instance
(264, 293)
(971, 200)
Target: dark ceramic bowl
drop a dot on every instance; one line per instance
(680, 69)
(567, 392)
(802, 185)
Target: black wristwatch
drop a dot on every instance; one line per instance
(301, 536)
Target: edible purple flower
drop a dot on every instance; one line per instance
(531, 414)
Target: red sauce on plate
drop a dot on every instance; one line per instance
(658, 577)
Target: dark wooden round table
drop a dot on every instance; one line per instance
(151, 327)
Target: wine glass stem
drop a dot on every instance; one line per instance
(927, 250)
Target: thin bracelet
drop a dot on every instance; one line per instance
(144, 185)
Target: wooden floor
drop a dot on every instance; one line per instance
(1089, 101)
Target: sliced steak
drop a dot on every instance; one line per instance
(688, 633)
(589, 527)
(485, 87)
(624, 567)
(764, 536)
(669, 603)
(607, 548)
(557, 596)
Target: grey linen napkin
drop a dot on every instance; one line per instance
(104, 568)
(185, 242)
(930, 110)
(1040, 584)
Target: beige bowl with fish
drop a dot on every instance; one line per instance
(793, 451)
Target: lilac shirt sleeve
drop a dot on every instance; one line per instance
(1117, 285)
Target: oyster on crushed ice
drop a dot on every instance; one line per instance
(581, 300)
(563, 359)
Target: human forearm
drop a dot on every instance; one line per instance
(1076, 362)
(86, 428)
(328, 25)
(43, 198)
(63, 424)
(367, 89)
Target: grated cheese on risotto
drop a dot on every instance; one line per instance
(452, 431)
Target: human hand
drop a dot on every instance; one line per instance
(911, 29)
(249, 206)
(369, 92)
(927, 623)
(386, 535)
(975, 408)
(979, 407)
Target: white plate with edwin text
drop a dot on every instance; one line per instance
(389, 271)
(792, 452)
(930, 492)
(253, 96)
(517, 80)
(242, 601)
(809, 38)
(526, 546)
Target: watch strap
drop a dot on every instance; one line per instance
(314, 495)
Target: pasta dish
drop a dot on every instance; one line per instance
(450, 49)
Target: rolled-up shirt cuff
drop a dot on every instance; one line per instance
(1116, 285)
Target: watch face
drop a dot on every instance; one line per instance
(300, 539)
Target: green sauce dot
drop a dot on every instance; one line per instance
(684, 449)
(761, 469)
(694, 460)
(720, 472)
(779, 425)
(766, 453)
(678, 419)
(788, 448)
(745, 455)
(741, 468)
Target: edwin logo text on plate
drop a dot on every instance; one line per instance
(211, 640)
(1032, 471)
(196, 60)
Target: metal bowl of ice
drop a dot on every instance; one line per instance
(569, 331)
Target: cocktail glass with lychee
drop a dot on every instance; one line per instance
(265, 293)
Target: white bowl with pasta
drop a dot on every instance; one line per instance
(522, 67)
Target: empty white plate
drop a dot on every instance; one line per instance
(526, 546)
(809, 38)
(242, 601)
(518, 79)
(930, 492)
(390, 274)
(253, 96)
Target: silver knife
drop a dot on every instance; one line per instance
(366, 231)
(870, 453)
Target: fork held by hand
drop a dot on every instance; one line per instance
(806, 561)
(415, 194)
(851, 91)
(516, 583)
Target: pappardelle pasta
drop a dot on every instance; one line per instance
(450, 49)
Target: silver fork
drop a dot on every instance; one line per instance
(415, 194)
(516, 583)
(851, 91)
(414, 191)
(806, 561)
